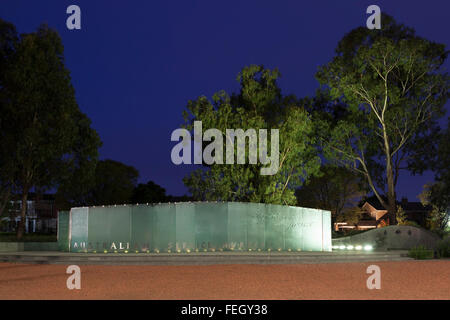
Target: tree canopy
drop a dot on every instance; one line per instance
(338, 189)
(393, 87)
(258, 105)
(149, 192)
(45, 138)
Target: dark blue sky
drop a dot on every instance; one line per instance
(135, 64)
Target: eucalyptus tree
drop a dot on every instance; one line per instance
(394, 87)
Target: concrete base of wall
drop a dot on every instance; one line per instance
(201, 258)
(392, 237)
(28, 246)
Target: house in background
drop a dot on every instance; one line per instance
(41, 215)
(375, 216)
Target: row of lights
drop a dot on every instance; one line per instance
(351, 247)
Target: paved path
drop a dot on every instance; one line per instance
(399, 280)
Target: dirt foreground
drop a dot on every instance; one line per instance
(399, 280)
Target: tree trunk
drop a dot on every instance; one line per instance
(392, 208)
(23, 212)
(4, 201)
(391, 205)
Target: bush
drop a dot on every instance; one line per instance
(420, 253)
(440, 233)
(443, 248)
(27, 237)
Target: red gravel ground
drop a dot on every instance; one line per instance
(399, 280)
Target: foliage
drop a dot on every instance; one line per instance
(402, 218)
(28, 237)
(45, 138)
(439, 216)
(443, 248)
(259, 105)
(393, 88)
(351, 215)
(149, 193)
(337, 189)
(420, 253)
(114, 183)
(437, 194)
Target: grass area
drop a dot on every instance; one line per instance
(421, 253)
(28, 237)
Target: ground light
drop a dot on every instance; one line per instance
(350, 247)
(358, 247)
(342, 247)
(368, 247)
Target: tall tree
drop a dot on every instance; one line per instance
(441, 189)
(114, 183)
(44, 133)
(258, 105)
(338, 189)
(8, 41)
(149, 192)
(394, 89)
(437, 194)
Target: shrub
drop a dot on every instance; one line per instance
(402, 218)
(443, 248)
(420, 253)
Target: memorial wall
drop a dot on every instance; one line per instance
(194, 227)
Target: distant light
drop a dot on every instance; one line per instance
(342, 247)
(350, 247)
(358, 247)
(334, 247)
(368, 247)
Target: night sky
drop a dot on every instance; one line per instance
(135, 64)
